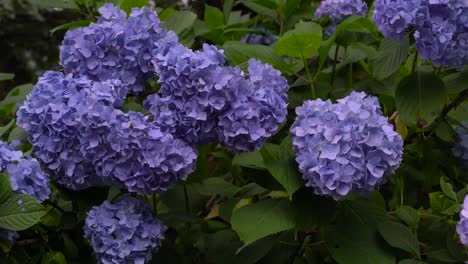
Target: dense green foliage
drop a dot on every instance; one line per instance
(253, 207)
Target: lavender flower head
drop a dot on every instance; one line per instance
(394, 17)
(442, 32)
(79, 133)
(123, 232)
(460, 149)
(462, 225)
(114, 47)
(26, 175)
(441, 27)
(263, 37)
(204, 101)
(339, 10)
(345, 147)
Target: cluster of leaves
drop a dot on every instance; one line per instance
(253, 207)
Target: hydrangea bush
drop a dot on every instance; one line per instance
(190, 133)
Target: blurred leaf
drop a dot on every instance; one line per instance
(227, 8)
(180, 21)
(399, 236)
(249, 190)
(419, 99)
(260, 9)
(354, 238)
(127, 5)
(239, 53)
(55, 257)
(71, 25)
(447, 189)
(5, 188)
(7, 127)
(214, 18)
(456, 82)
(252, 160)
(401, 127)
(391, 54)
(215, 185)
(441, 204)
(261, 219)
(16, 96)
(6, 76)
(20, 212)
(445, 131)
(301, 42)
(410, 261)
(18, 133)
(166, 13)
(409, 215)
(66, 4)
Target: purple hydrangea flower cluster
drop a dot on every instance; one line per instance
(339, 10)
(441, 27)
(395, 17)
(26, 175)
(462, 225)
(205, 101)
(114, 47)
(123, 232)
(460, 149)
(79, 133)
(263, 37)
(345, 147)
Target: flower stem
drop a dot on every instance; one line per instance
(311, 80)
(335, 59)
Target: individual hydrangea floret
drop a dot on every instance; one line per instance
(395, 17)
(114, 47)
(26, 175)
(90, 142)
(460, 149)
(462, 225)
(345, 147)
(262, 37)
(339, 10)
(123, 232)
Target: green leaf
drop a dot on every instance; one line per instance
(286, 173)
(239, 53)
(66, 4)
(252, 160)
(399, 236)
(249, 190)
(71, 25)
(447, 189)
(410, 261)
(260, 9)
(7, 127)
(302, 41)
(20, 212)
(180, 21)
(6, 76)
(214, 18)
(440, 203)
(419, 98)
(127, 5)
(354, 238)
(9, 105)
(215, 185)
(53, 258)
(261, 219)
(456, 82)
(227, 8)
(409, 215)
(5, 188)
(18, 133)
(391, 54)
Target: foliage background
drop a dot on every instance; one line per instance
(252, 207)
